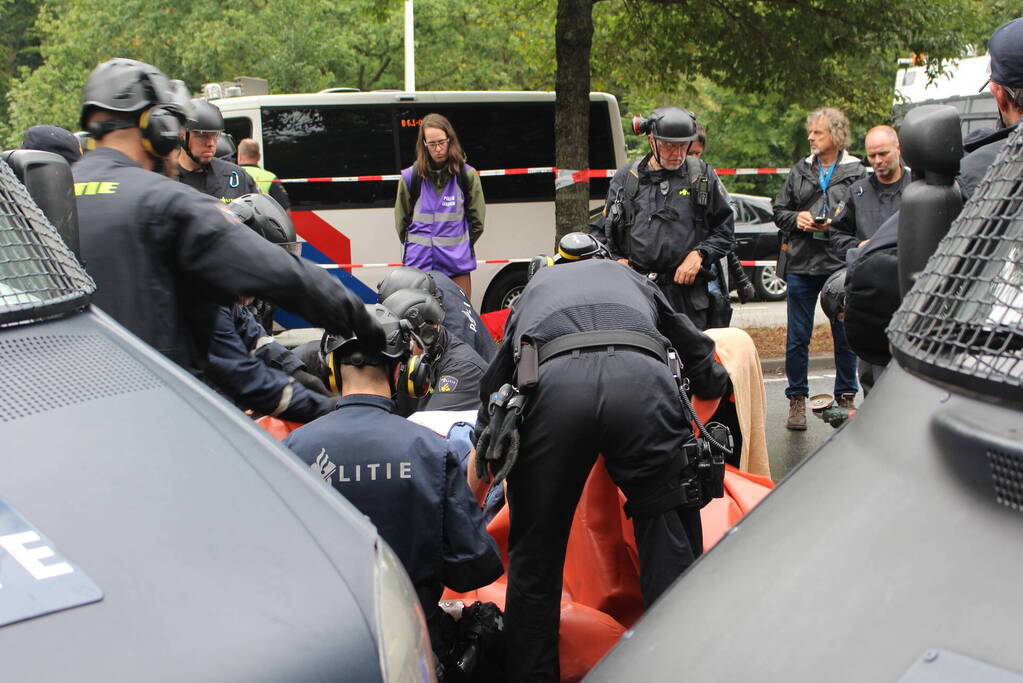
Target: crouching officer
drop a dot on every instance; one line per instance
(460, 318)
(245, 362)
(404, 477)
(200, 167)
(453, 367)
(588, 342)
(668, 214)
(164, 256)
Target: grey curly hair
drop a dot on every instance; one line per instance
(838, 125)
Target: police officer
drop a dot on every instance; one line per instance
(164, 256)
(668, 215)
(405, 478)
(245, 362)
(199, 166)
(608, 390)
(460, 318)
(454, 368)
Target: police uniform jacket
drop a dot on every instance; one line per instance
(461, 319)
(663, 223)
(806, 254)
(265, 181)
(870, 204)
(242, 366)
(165, 257)
(407, 480)
(220, 179)
(602, 295)
(454, 378)
(980, 155)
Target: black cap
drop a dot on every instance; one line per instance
(53, 139)
(1006, 51)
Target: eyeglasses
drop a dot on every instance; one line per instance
(206, 135)
(437, 144)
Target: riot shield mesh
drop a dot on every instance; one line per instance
(962, 321)
(39, 275)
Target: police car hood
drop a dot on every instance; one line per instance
(216, 555)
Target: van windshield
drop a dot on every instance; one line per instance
(39, 276)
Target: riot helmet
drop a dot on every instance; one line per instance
(127, 86)
(536, 264)
(226, 149)
(669, 124)
(407, 277)
(833, 296)
(264, 215)
(205, 117)
(420, 309)
(579, 246)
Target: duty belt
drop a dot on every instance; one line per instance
(598, 338)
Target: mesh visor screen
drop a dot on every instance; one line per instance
(962, 322)
(39, 276)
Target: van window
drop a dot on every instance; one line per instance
(324, 141)
(238, 128)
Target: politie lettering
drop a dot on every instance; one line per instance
(30, 559)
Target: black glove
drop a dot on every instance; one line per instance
(746, 292)
(311, 382)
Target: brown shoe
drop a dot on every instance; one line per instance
(847, 401)
(797, 414)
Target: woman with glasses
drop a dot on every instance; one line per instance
(440, 208)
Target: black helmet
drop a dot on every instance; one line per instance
(421, 310)
(833, 296)
(670, 124)
(264, 215)
(127, 85)
(205, 117)
(578, 246)
(406, 277)
(536, 264)
(226, 149)
(338, 349)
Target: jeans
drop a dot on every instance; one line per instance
(801, 301)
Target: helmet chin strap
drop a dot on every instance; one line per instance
(187, 147)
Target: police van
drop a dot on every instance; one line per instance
(342, 153)
(958, 87)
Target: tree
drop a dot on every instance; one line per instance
(816, 52)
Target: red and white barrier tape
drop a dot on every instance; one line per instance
(576, 176)
(335, 266)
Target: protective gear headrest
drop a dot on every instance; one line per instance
(670, 124)
(406, 277)
(578, 246)
(264, 215)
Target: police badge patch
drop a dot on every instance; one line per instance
(447, 383)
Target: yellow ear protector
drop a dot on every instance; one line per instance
(414, 376)
(160, 129)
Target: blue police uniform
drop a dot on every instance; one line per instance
(456, 371)
(220, 179)
(461, 318)
(408, 481)
(254, 372)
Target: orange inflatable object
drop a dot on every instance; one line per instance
(600, 595)
(495, 322)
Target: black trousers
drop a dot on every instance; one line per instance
(622, 404)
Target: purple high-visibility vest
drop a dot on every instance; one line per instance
(438, 236)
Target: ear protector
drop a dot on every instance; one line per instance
(160, 129)
(414, 376)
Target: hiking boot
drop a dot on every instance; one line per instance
(797, 414)
(847, 401)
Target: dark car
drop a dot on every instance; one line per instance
(893, 553)
(757, 239)
(149, 531)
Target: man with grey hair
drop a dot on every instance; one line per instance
(1006, 51)
(815, 191)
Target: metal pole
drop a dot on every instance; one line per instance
(410, 49)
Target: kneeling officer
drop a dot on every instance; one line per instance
(598, 335)
(401, 475)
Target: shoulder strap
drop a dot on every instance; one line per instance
(415, 183)
(631, 186)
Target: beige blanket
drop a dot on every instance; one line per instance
(739, 355)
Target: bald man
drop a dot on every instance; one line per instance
(872, 200)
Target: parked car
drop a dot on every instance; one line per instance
(149, 531)
(893, 553)
(757, 239)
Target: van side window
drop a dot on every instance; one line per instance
(329, 141)
(239, 128)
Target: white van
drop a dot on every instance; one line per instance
(352, 135)
(957, 87)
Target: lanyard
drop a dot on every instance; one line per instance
(825, 179)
